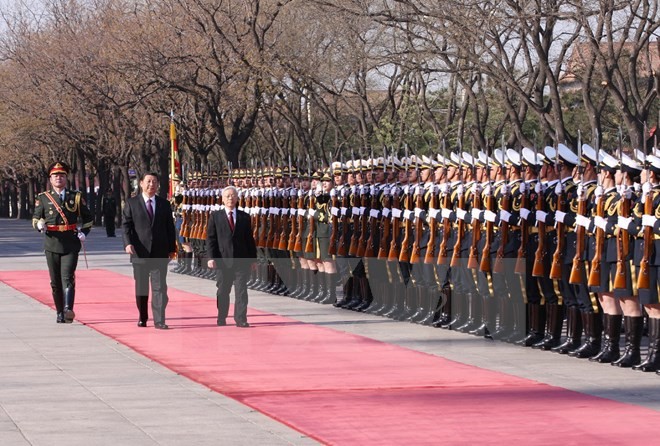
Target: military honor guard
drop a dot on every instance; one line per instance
(62, 215)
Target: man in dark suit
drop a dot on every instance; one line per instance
(149, 238)
(231, 249)
(57, 212)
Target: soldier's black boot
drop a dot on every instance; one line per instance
(142, 303)
(179, 262)
(432, 300)
(445, 313)
(574, 328)
(609, 351)
(593, 330)
(367, 296)
(504, 319)
(330, 296)
(397, 293)
(347, 291)
(554, 321)
(471, 322)
(187, 263)
(631, 355)
(69, 300)
(60, 318)
(313, 286)
(652, 361)
(301, 283)
(537, 318)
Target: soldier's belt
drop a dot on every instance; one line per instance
(61, 228)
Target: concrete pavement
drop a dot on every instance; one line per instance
(71, 385)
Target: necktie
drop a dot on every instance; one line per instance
(62, 195)
(150, 210)
(231, 221)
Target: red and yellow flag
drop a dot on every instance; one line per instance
(175, 165)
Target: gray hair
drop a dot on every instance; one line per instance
(229, 188)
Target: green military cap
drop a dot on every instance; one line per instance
(58, 167)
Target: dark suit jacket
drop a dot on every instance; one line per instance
(150, 240)
(223, 245)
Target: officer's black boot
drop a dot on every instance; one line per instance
(574, 328)
(142, 303)
(554, 322)
(536, 318)
(593, 330)
(609, 351)
(631, 355)
(58, 300)
(69, 299)
(330, 288)
(652, 361)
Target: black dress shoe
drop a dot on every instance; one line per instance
(60, 318)
(161, 326)
(242, 324)
(222, 322)
(142, 323)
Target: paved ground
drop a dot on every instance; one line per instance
(78, 387)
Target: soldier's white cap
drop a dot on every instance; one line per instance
(589, 154)
(513, 157)
(531, 158)
(467, 159)
(550, 153)
(629, 165)
(567, 155)
(608, 162)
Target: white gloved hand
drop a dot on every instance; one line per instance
(504, 189)
(41, 224)
(583, 221)
(81, 236)
(646, 187)
(462, 214)
(598, 192)
(560, 216)
(506, 216)
(648, 220)
(523, 187)
(476, 189)
(396, 213)
(374, 213)
(406, 188)
(538, 187)
(311, 213)
(444, 188)
(334, 212)
(344, 211)
(372, 190)
(419, 213)
(433, 213)
(627, 193)
(600, 222)
(446, 213)
(524, 213)
(490, 216)
(580, 190)
(460, 190)
(488, 190)
(476, 214)
(386, 212)
(624, 222)
(408, 215)
(559, 188)
(541, 216)
(333, 193)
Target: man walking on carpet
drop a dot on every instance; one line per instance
(231, 249)
(57, 212)
(149, 238)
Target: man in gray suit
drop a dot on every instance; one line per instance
(149, 238)
(231, 249)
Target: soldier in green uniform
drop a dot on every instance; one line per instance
(57, 212)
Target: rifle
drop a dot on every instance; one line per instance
(446, 223)
(395, 250)
(643, 278)
(498, 267)
(473, 257)
(577, 270)
(556, 266)
(353, 248)
(460, 230)
(309, 243)
(485, 265)
(370, 250)
(263, 223)
(594, 278)
(383, 246)
(419, 221)
(332, 249)
(521, 258)
(364, 216)
(342, 248)
(404, 256)
(622, 235)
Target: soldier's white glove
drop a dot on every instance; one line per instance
(646, 187)
(488, 190)
(580, 190)
(524, 213)
(372, 190)
(598, 192)
(433, 213)
(541, 216)
(462, 214)
(490, 216)
(373, 213)
(506, 216)
(648, 220)
(41, 224)
(311, 213)
(334, 212)
(476, 214)
(386, 212)
(523, 187)
(81, 236)
(600, 222)
(583, 221)
(387, 190)
(446, 213)
(444, 188)
(333, 193)
(539, 188)
(460, 190)
(344, 211)
(396, 213)
(406, 188)
(504, 189)
(408, 215)
(627, 193)
(624, 222)
(559, 216)
(476, 189)
(559, 188)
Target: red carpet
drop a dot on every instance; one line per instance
(344, 389)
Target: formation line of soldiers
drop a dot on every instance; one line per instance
(509, 246)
